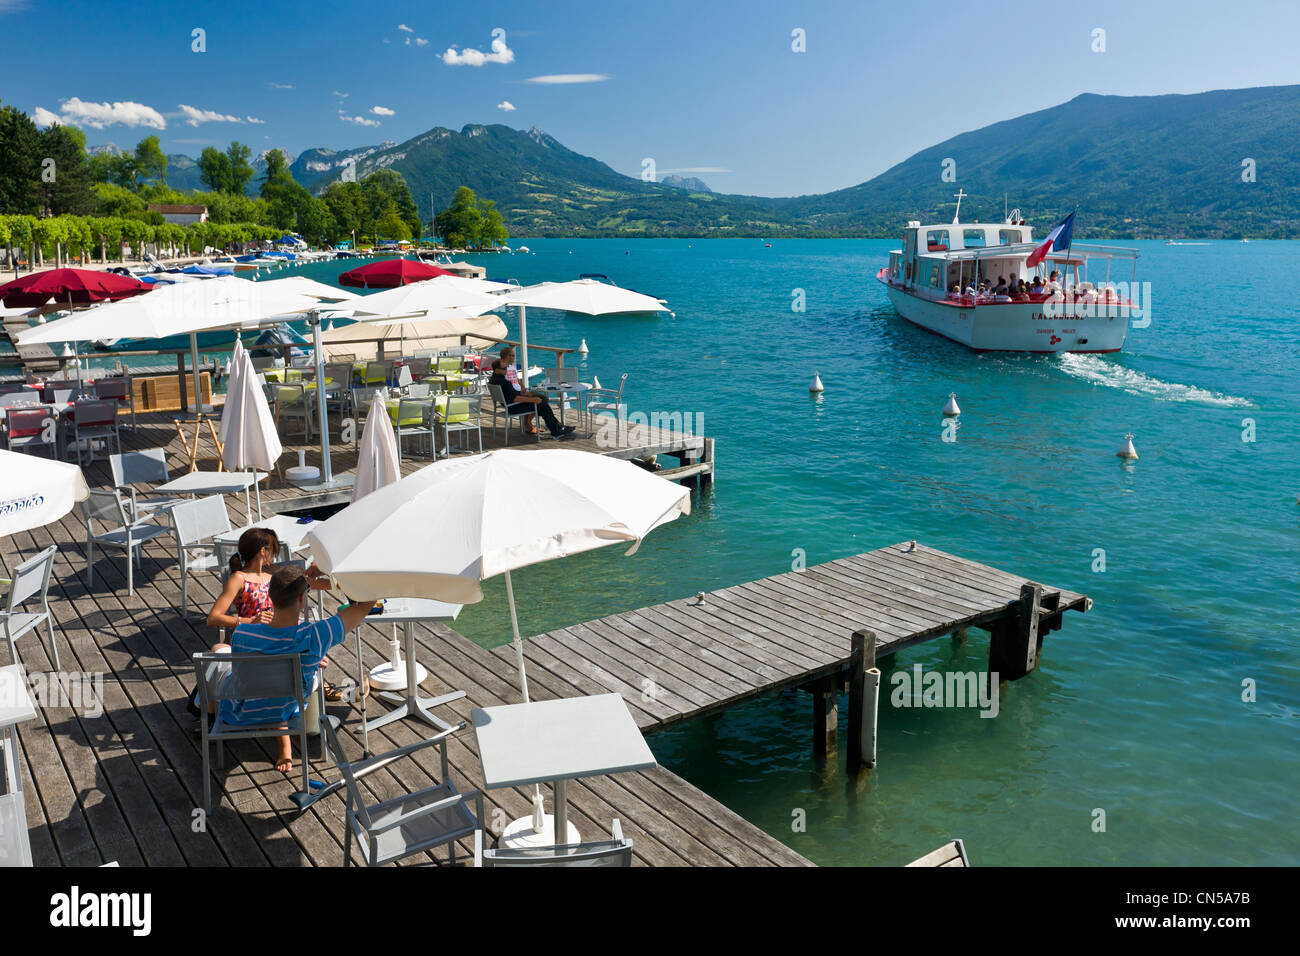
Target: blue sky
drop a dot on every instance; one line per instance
(701, 85)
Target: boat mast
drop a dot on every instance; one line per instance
(960, 196)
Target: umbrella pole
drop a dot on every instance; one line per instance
(539, 809)
(197, 403)
(523, 350)
(327, 470)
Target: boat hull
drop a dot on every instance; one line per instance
(1017, 326)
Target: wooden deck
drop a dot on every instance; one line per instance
(124, 784)
(683, 659)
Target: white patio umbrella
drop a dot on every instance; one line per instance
(418, 334)
(469, 296)
(232, 384)
(377, 457)
(249, 438)
(35, 491)
(179, 309)
(588, 296)
(440, 532)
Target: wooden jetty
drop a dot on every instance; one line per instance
(122, 783)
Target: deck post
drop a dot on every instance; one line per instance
(864, 700)
(1013, 650)
(826, 717)
(706, 478)
(180, 374)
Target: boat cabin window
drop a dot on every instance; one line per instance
(972, 238)
(936, 240)
(1008, 237)
(936, 278)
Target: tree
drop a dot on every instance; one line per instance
(64, 183)
(386, 191)
(494, 226)
(214, 169)
(150, 161)
(241, 171)
(347, 208)
(461, 223)
(20, 162)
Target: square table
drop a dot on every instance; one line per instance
(564, 390)
(217, 483)
(286, 528)
(16, 706)
(556, 740)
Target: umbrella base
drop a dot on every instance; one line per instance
(385, 677)
(334, 484)
(520, 835)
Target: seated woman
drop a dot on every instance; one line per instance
(245, 592)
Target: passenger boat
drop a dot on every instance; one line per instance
(929, 278)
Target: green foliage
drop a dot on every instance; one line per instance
(470, 222)
(20, 162)
(150, 162)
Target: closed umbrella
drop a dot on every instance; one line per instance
(232, 384)
(250, 439)
(35, 491)
(587, 296)
(377, 455)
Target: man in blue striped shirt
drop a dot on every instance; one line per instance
(288, 633)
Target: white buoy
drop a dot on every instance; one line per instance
(582, 349)
(952, 408)
(816, 386)
(595, 381)
(1128, 452)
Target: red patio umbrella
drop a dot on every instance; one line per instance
(69, 287)
(390, 273)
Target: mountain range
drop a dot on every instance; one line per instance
(1206, 165)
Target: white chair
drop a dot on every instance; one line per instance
(461, 414)
(411, 823)
(499, 402)
(118, 391)
(30, 428)
(616, 851)
(148, 466)
(291, 403)
(129, 535)
(564, 376)
(31, 578)
(415, 419)
(197, 522)
(608, 400)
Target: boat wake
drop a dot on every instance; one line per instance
(1099, 371)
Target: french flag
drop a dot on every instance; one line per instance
(1058, 238)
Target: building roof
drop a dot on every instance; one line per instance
(177, 209)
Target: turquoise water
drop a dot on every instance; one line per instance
(1136, 708)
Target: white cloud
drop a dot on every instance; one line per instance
(471, 57)
(342, 95)
(358, 120)
(506, 106)
(78, 112)
(557, 79)
(254, 119)
(404, 28)
(407, 41)
(44, 117)
(382, 111)
(280, 86)
(194, 116)
(421, 41)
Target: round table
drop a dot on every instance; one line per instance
(569, 388)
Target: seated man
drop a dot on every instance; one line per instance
(285, 633)
(527, 404)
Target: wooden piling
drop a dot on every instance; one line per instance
(826, 717)
(1013, 650)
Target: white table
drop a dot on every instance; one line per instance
(408, 611)
(286, 528)
(217, 483)
(16, 706)
(556, 740)
(570, 388)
